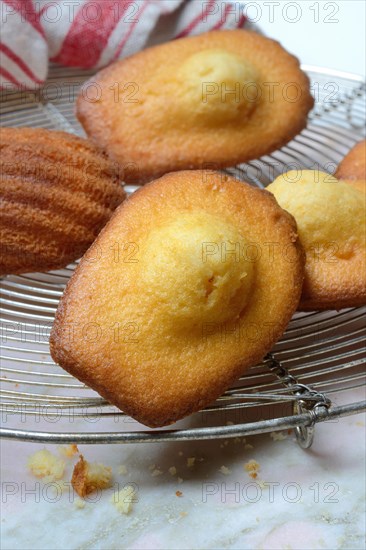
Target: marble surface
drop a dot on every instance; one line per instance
(300, 499)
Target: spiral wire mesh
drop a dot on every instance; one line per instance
(321, 355)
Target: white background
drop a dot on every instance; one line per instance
(323, 33)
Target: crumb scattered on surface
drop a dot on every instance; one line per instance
(278, 436)
(179, 493)
(248, 446)
(180, 480)
(190, 461)
(183, 514)
(180, 453)
(224, 470)
(68, 451)
(46, 465)
(229, 423)
(152, 467)
(252, 467)
(79, 503)
(124, 499)
(88, 477)
(122, 470)
(172, 470)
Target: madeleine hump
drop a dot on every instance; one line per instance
(213, 281)
(331, 221)
(202, 102)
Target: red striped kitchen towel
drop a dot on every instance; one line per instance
(92, 34)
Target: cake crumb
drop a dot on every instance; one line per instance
(183, 514)
(224, 470)
(278, 436)
(88, 477)
(252, 467)
(179, 493)
(68, 451)
(248, 446)
(124, 499)
(172, 470)
(229, 423)
(44, 464)
(156, 472)
(122, 470)
(79, 503)
(191, 461)
(152, 467)
(180, 453)
(180, 480)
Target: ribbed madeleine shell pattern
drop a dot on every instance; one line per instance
(57, 192)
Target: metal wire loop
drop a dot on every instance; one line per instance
(321, 353)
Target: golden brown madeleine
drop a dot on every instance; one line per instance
(191, 282)
(353, 166)
(352, 169)
(57, 192)
(207, 101)
(331, 221)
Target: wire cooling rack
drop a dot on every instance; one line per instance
(321, 355)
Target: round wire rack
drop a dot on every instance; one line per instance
(321, 355)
